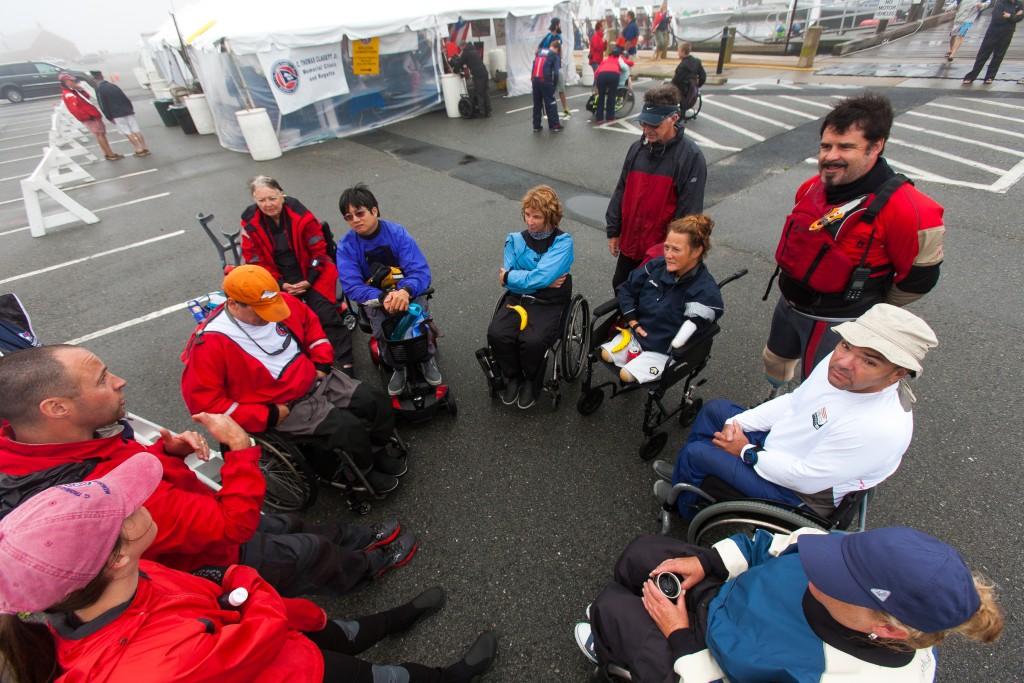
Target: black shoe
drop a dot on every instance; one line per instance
(388, 464)
(477, 660)
(426, 603)
(527, 395)
(380, 482)
(396, 554)
(511, 391)
(371, 537)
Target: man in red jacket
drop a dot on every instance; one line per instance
(66, 426)
(264, 359)
(77, 102)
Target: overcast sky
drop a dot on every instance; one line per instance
(93, 25)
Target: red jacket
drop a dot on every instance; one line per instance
(220, 377)
(597, 44)
(196, 526)
(609, 64)
(79, 106)
(174, 630)
(306, 236)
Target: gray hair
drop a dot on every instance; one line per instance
(264, 181)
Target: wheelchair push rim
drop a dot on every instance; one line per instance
(721, 520)
(291, 481)
(575, 339)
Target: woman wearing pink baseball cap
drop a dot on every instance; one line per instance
(78, 604)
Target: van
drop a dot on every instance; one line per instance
(22, 80)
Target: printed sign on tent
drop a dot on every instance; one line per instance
(366, 57)
(301, 76)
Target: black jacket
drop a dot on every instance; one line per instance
(112, 101)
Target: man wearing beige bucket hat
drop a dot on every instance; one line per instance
(844, 429)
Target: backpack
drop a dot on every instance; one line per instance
(16, 331)
(809, 255)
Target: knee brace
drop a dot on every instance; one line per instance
(777, 369)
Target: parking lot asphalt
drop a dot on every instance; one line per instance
(521, 514)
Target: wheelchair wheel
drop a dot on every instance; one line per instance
(654, 445)
(689, 412)
(450, 404)
(624, 102)
(691, 113)
(291, 482)
(465, 108)
(590, 401)
(575, 338)
(721, 520)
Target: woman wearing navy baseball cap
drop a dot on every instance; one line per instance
(807, 606)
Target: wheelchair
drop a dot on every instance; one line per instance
(562, 360)
(722, 511)
(684, 365)
(419, 401)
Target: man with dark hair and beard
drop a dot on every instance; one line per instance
(858, 235)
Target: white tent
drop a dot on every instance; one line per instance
(246, 52)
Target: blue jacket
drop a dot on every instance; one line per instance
(759, 630)
(533, 265)
(391, 245)
(661, 304)
(546, 66)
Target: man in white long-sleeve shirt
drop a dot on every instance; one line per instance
(844, 429)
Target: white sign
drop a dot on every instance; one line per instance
(304, 75)
(887, 9)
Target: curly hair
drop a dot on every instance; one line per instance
(697, 227)
(542, 198)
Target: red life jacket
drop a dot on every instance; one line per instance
(809, 251)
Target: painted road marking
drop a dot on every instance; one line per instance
(88, 184)
(105, 208)
(128, 323)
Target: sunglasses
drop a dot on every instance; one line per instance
(358, 213)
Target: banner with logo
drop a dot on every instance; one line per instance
(303, 75)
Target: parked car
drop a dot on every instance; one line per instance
(21, 80)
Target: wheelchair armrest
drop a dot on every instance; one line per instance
(606, 308)
(735, 276)
(700, 337)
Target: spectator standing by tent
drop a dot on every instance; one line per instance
(77, 102)
(118, 109)
(662, 22)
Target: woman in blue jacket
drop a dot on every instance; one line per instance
(665, 301)
(535, 271)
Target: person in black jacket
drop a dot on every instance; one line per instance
(472, 60)
(544, 76)
(118, 109)
(1005, 15)
(689, 77)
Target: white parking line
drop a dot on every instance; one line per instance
(991, 129)
(708, 143)
(975, 112)
(105, 208)
(36, 144)
(958, 138)
(802, 100)
(25, 135)
(569, 97)
(949, 157)
(11, 161)
(128, 323)
(744, 112)
(779, 107)
(998, 103)
(725, 124)
(108, 252)
(88, 184)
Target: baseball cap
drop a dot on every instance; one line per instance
(255, 287)
(65, 76)
(60, 539)
(901, 571)
(654, 114)
(894, 332)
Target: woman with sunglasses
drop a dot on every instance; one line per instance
(283, 236)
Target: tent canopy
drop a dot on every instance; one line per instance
(253, 26)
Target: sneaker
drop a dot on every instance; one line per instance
(527, 395)
(511, 391)
(397, 383)
(377, 535)
(396, 554)
(380, 482)
(431, 373)
(663, 469)
(556, 129)
(566, 114)
(662, 491)
(389, 464)
(585, 640)
(477, 660)
(537, 130)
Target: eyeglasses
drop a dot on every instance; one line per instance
(358, 213)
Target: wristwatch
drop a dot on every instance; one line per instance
(749, 454)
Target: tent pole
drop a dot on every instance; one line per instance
(238, 72)
(181, 44)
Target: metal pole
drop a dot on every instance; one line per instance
(181, 43)
(789, 27)
(721, 51)
(238, 72)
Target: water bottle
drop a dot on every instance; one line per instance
(406, 327)
(234, 599)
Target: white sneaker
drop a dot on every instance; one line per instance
(585, 641)
(565, 115)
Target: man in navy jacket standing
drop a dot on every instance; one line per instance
(546, 66)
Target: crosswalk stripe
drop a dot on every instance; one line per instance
(779, 107)
(802, 100)
(997, 103)
(975, 112)
(949, 157)
(958, 138)
(744, 112)
(725, 124)
(708, 143)
(968, 124)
